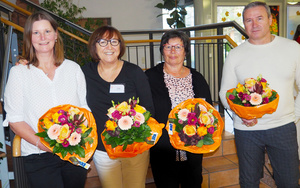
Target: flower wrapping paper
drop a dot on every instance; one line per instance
(253, 111)
(89, 148)
(217, 135)
(137, 147)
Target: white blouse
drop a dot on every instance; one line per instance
(29, 93)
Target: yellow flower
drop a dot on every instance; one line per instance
(139, 109)
(55, 117)
(267, 92)
(189, 130)
(64, 132)
(202, 131)
(83, 128)
(249, 82)
(111, 125)
(264, 84)
(110, 111)
(72, 111)
(190, 107)
(205, 118)
(239, 88)
(47, 123)
(123, 107)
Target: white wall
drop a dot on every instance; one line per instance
(125, 14)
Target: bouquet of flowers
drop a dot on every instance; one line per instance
(253, 99)
(195, 126)
(130, 130)
(70, 132)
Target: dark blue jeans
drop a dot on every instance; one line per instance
(48, 170)
(282, 148)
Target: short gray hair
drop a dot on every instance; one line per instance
(256, 4)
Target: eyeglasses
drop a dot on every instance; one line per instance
(104, 42)
(176, 47)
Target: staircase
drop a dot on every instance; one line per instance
(220, 169)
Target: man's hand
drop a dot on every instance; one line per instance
(249, 122)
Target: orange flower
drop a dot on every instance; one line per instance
(189, 130)
(202, 131)
(111, 125)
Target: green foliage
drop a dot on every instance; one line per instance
(59, 148)
(176, 19)
(127, 137)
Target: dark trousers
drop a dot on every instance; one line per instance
(48, 171)
(282, 148)
(169, 173)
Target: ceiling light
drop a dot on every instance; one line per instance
(292, 2)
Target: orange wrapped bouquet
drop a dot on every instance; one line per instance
(195, 126)
(70, 132)
(130, 130)
(253, 99)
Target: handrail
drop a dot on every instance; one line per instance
(19, 28)
(199, 27)
(191, 38)
(16, 7)
(29, 13)
(77, 27)
(193, 28)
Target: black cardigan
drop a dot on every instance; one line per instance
(162, 101)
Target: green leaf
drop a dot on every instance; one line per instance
(124, 146)
(80, 152)
(147, 115)
(89, 140)
(208, 140)
(42, 134)
(87, 133)
(63, 153)
(200, 143)
(159, 5)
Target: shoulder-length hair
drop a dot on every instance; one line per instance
(175, 34)
(106, 32)
(28, 50)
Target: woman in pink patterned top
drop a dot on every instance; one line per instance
(172, 83)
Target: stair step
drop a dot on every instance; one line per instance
(227, 146)
(220, 171)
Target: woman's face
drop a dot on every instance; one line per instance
(108, 53)
(43, 36)
(174, 52)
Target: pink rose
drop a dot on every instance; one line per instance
(53, 131)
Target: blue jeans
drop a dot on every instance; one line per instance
(282, 148)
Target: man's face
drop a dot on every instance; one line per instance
(257, 25)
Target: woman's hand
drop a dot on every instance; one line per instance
(249, 122)
(22, 62)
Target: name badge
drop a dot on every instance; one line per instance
(117, 88)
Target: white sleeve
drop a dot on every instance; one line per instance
(13, 96)
(81, 89)
(229, 80)
(297, 85)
